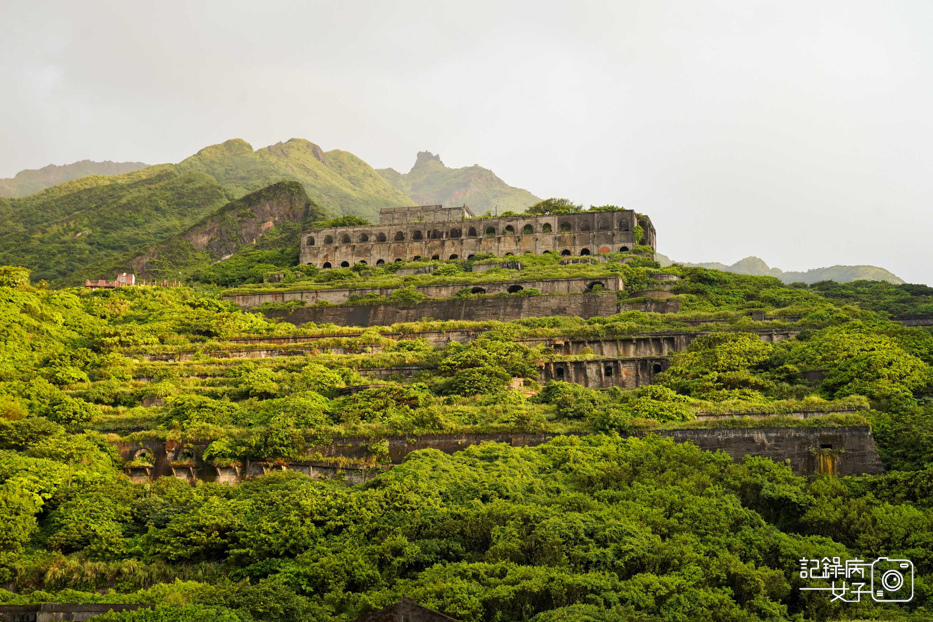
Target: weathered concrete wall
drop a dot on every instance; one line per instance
(606, 373)
(574, 285)
(162, 455)
(61, 612)
(617, 347)
(478, 309)
(915, 320)
(836, 451)
(429, 236)
(833, 450)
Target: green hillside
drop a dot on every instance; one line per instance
(61, 232)
(234, 244)
(606, 522)
(31, 181)
(338, 181)
(839, 274)
(431, 183)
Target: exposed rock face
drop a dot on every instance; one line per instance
(241, 222)
(426, 156)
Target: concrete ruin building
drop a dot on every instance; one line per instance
(436, 232)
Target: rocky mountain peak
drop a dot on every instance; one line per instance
(425, 157)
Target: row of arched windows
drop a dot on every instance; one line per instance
(584, 252)
(472, 232)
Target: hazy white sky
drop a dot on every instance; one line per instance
(799, 132)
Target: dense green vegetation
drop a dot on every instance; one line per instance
(591, 527)
(431, 183)
(233, 244)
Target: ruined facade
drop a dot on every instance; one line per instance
(436, 232)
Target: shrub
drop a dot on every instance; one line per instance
(187, 411)
(478, 381)
(572, 401)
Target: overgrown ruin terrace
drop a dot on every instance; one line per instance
(445, 233)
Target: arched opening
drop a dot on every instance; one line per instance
(398, 260)
(328, 239)
(311, 241)
(345, 239)
(362, 262)
(455, 233)
(417, 235)
(477, 290)
(344, 264)
(604, 225)
(566, 227)
(623, 226)
(595, 286)
(624, 249)
(509, 230)
(381, 237)
(656, 368)
(380, 262)
(472, 232)
(559, 372)
(529, 253)
(607, 371)
(416, 258)
(514, 289)
(584, 226)
(527, 229)
(364, 237)
(454, 256)
(436, 235)
(546, 228)
(435, 257)
(399, 236)
(326, 265)
(490, 231)
(565, 253)
(547, 253)
(585, 252)
(508, 254)
(469, 257)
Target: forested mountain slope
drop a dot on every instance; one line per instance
(63, 230)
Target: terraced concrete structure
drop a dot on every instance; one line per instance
(436, 232)
(840, 451)
(336, 296)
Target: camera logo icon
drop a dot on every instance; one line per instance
(892, 580)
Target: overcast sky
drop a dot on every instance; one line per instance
(799, 132)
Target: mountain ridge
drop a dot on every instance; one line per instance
(31, 181)
(431, 182)
(756, 266)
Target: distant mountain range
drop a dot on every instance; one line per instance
(31, 181)
(429, 182)
(756, 266)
